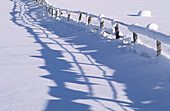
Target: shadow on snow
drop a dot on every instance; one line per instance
(140, 76)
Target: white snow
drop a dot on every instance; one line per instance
(145, 13)
(49, 64)
(152, 26)
(101, 16)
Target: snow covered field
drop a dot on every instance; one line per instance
(123, 10)
(51, 65)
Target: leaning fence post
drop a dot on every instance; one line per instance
(135, 37)
(80, 16)
(89, 20)
(158, 47)
(69, 14)
(117, 31)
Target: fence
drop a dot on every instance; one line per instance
(58, 13)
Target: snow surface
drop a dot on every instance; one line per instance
(48, 64)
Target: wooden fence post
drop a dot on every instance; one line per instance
(46, 8)
(135, 37)
(89, 19)
(102, 24)
(80, 16)
(49, 10)
(56, 13)
(158, 47)
(117, 31)
(41, 2)
(69, 14)
(61, 13)
(52, 12)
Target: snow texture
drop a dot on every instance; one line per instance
(48, 64)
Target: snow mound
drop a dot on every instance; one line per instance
(145, 13)
(101, 16)
(152, 26)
